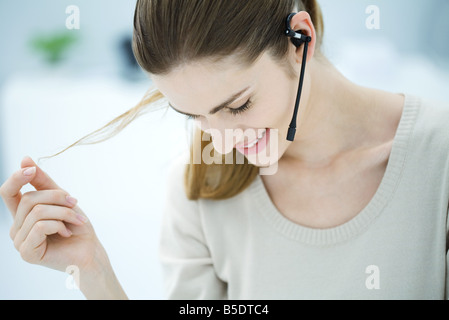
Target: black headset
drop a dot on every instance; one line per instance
(298, 39)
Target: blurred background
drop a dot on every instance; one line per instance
(58, 84)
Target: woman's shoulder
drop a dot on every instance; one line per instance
(436, 111)
(431, 123)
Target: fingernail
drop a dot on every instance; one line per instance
(29, 172)
(71, 200)
(81, 218)
(68, 232)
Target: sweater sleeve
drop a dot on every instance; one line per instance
(187, 265)
(447, 255)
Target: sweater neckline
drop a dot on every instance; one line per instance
(384, 193)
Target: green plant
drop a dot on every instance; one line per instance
(53, 46)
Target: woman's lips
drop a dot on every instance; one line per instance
(258, 147)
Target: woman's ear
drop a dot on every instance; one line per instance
(303, 22)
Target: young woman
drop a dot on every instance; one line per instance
(356, 209)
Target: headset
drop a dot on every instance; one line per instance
(298, 40)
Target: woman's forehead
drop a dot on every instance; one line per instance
(207, 74)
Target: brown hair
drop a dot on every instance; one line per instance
(169, 33)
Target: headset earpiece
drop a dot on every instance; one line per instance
(297, 38)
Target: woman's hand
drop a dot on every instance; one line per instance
(49, 229)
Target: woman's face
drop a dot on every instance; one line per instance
(197, 88)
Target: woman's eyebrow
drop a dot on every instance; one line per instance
(223, 105)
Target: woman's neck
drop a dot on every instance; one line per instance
(335, 116)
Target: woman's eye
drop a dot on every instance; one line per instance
(242, 109)
(234, 112)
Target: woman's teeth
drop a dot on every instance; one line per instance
(256, 141)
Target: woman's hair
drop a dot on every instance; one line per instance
(170, 33)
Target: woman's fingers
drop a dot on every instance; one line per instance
(41, 180)
(34, 247)
(10, 190)
(29, 173)
(43, 212)
(33, 198)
